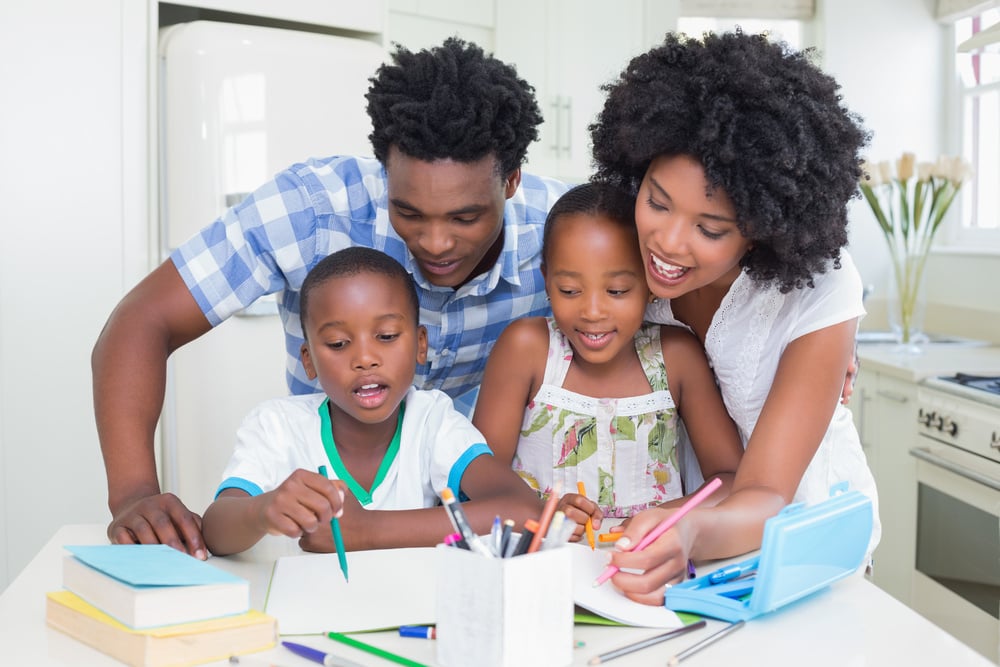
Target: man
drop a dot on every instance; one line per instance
(444, 196)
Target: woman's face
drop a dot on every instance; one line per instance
(688, 239)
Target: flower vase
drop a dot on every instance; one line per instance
(908, 301)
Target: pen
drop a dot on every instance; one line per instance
(711, 639)
(338, 538)
(546, 518)
(495, 537)
(589, 527)
(735, 571)
(630, 648)
(316, 655)
(461, 524)
(374, 650)
(665, 525)
(418, 631)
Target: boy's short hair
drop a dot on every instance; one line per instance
(593, 198)
(452, 101)
(769, 129)
(351, 262)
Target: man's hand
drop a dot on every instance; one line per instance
(159, 519)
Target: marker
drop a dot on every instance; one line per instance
(455, 540)
(418, 631)
(552, 537)
(527, 535)
(589, 527)
(495, 531)
(665, 525)
(609, 537)
(711, 639)
(730, 572)
(310, 653)
(508, 528)
(631, 648)
(546, 518)
(461, 524)
(374, 650)
(338, 538)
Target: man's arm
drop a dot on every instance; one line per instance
(129, 364)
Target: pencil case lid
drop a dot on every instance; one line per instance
(805, 548)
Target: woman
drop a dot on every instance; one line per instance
(743, 161)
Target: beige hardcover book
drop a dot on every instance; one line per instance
(168, 646)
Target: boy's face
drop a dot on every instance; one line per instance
(363, 342)
(595, 282)
(449, 214)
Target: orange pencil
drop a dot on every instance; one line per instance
(546, 518)
(609, 537)
(590, 522)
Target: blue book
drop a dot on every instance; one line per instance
(152, 585)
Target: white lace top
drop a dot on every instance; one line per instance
(744, 344)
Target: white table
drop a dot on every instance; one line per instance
(853, 623)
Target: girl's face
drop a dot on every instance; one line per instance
(688, 239)
(594, 279)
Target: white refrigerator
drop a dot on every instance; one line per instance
(238, 103)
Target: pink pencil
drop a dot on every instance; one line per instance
(665, 525)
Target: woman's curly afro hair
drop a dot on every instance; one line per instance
(452, 102)
(769, 129)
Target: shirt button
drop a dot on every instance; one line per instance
(445, 353)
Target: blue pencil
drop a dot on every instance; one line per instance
(338, 537)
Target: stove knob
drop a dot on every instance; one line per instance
(925, 418)
(995, 441)
(950, 427)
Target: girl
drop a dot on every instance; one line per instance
(586, 395)
(744, 160)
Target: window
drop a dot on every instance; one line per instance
(979, 118)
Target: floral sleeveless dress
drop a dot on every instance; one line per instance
(622, 449)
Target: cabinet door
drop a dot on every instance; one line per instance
(892, 425)
(567, 50)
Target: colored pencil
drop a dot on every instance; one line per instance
(374, 650)
(665, 525)
(711, 639)
(338, 537)
(546, 518)
(631, 648)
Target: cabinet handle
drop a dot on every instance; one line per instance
(893, 396)
(566, 126)
(557, 120)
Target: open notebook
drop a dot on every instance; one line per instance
(394, 587)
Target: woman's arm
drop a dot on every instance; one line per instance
(795, 417)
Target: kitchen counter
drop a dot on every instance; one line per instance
(851, 623)
(933, 359)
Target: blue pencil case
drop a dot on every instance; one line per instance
(804, 549)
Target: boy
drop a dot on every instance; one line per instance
(444, 196)
(394, 447)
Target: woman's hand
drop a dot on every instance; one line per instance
(643, 575)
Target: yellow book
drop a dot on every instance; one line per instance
(166, 646)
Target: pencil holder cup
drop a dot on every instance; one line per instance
(502, 612)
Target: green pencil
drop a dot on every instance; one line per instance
(374, 650)
(338, 538)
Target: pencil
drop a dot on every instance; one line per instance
(631, 648)
(711, 639)
(374, 650)
(665, 525)
(338, 537)
(590, 522)
(546, 518)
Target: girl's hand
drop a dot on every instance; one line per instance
(661, 563)
(302, 503)
(580, 508)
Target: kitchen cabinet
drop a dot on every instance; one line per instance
(884, 409)
(567, 49)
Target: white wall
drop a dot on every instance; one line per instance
(67, 251)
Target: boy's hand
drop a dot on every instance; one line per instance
(580, 508)
(159, 519)
(303, 503)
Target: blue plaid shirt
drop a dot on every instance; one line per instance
(268, 243)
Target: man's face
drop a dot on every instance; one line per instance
(449, 214)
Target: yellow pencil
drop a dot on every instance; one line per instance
(590, 522)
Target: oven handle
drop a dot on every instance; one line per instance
(960, 470)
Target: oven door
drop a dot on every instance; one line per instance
(956, 581)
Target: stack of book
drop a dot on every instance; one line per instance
(154, 606)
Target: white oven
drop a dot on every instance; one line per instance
(956, 579)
